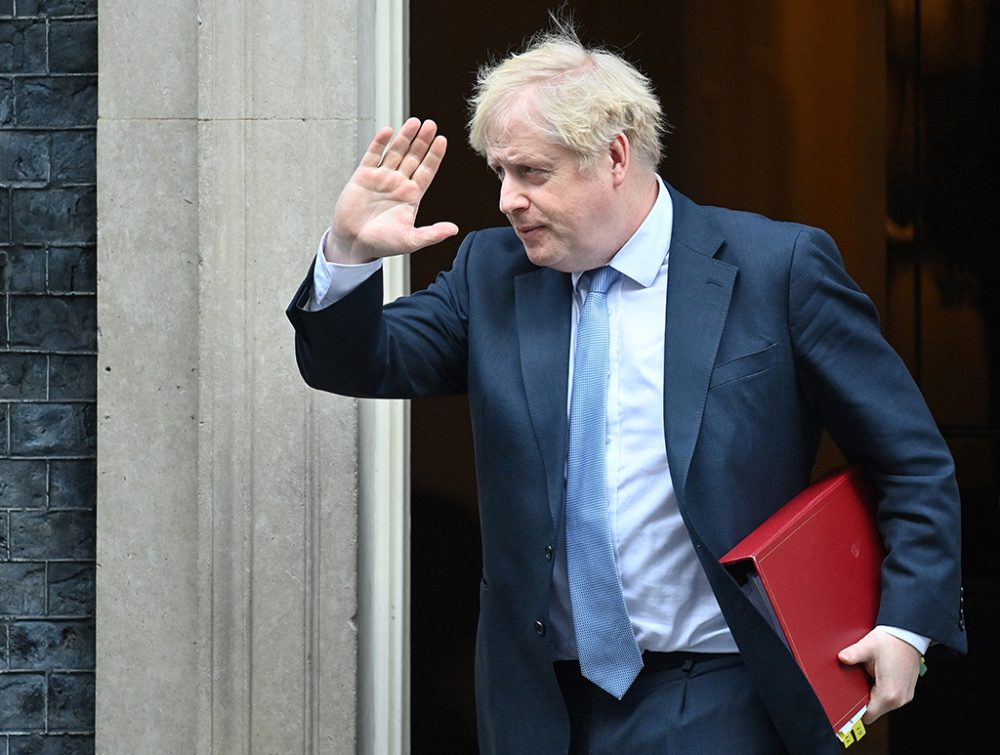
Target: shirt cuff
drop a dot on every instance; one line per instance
(920, 642)
(333, 281)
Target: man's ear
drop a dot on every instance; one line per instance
(621, 158)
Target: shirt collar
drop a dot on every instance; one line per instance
(643, 254)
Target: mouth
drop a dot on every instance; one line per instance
(526, 231)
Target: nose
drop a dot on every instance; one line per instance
(512, 198)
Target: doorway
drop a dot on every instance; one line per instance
(779, 107)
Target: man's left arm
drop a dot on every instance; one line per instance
(877, 416)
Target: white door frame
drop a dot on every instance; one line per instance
(384, 444)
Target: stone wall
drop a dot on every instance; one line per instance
(227, 541)
(48, 114)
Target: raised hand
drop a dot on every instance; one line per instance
(375, 215)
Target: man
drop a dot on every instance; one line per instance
(647, 380)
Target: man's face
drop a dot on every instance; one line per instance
(559, 213)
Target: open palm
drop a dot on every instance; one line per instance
(375, 215)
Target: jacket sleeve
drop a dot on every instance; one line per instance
(874, 411)
(415, 346)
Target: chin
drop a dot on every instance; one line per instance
(543, 257)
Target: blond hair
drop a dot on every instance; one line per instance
(580, 98)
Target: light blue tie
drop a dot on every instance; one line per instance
(609, 655)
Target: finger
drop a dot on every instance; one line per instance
(878, 704)
(894, 688)
(428, 168)
(418, 148)
(401, 144)
(876, 709)
(887, 696)
(373, 155)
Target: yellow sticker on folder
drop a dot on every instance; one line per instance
(853, 730)
(858, 729)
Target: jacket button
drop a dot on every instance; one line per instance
(540, 628)
(548, 552)
(961, 609)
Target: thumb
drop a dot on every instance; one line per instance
(854, 654)
(433, 234)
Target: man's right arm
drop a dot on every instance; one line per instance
(415, 346)
(339, 336)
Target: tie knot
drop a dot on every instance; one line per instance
(602, 279)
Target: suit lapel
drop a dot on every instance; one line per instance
(699, 289)
(543, 304)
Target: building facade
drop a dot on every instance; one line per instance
(48, 386)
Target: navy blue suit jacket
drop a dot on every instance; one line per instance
(767, 340)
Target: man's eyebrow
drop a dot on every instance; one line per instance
(519, 159)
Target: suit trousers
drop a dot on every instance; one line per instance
(683, 703)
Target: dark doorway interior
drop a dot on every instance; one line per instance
(943, 314)
(875, 121)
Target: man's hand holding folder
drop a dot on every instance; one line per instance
(894, 665)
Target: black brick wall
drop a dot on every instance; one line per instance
(48, 333)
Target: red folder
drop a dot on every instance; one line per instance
(813, 570)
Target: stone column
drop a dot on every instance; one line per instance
(227, 525)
